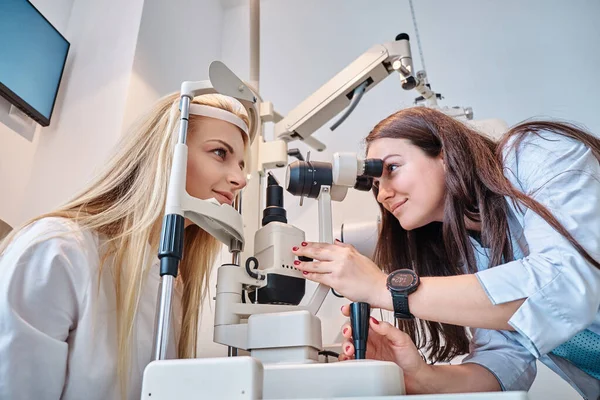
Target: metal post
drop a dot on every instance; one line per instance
(170, 249)
(163, 324)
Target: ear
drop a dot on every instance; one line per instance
(442, 160)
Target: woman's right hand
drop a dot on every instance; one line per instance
(386, 343)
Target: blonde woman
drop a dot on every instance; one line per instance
(78, 286)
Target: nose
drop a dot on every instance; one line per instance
(237, 179)
(384, 193)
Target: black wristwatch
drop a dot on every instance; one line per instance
(401, 283)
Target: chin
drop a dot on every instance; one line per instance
(410, 224)
(408, 227)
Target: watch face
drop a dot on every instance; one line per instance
(402, 280)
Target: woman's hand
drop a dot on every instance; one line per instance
(341, 267)
(387, 343)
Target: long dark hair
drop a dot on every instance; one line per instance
(476, 188)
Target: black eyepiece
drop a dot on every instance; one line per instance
(373, 167)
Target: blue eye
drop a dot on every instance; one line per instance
(221, 153)
(391, 167)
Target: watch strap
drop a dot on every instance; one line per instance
(400, 302)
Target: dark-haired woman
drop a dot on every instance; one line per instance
(502, 237)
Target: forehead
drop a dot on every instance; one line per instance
(206, 129)
(381, 148)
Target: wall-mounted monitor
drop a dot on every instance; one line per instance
(32, 59)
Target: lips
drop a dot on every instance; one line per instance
(224, 197)
(397, 205)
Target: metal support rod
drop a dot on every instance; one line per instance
(235, 248)
(232, 351)
(235, 259)
(185, 115)
(171, 243)
(325, 223)
(163, 318)
(325, 236)
(253, 192)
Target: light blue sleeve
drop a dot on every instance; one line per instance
(561, 288)
(512, 364)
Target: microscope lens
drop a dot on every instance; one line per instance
(305, 178)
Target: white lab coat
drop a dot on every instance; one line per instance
(58, 336)
(561, 287)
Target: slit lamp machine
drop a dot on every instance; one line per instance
(258, 298)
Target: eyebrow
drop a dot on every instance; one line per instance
(389, 156)
(229, 149)
(384, 159)
(227, 146)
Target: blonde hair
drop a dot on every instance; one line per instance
(126, 202)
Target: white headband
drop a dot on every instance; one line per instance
(214, 112)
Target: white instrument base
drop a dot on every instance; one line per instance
(246, 378)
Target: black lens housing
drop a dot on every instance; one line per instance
(305, 178)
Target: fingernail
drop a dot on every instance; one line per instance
(338, 240)
(345, 330)
(296, 262)
(342, 308)
(304, 273)
(304, 244)
(347, 347)
(295, 248)
(374, 321)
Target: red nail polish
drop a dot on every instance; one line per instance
(304, 273)
(345, 330)
(342, 308)
(295, 248)
(347, 348)
(304, 244)
(296, 262)
(374, 321)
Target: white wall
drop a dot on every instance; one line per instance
(177, 41)
(511, 60)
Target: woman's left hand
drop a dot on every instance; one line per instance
(387, 343)
(341, 267)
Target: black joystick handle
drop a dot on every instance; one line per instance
(359, 319)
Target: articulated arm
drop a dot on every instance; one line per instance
(357, 78)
